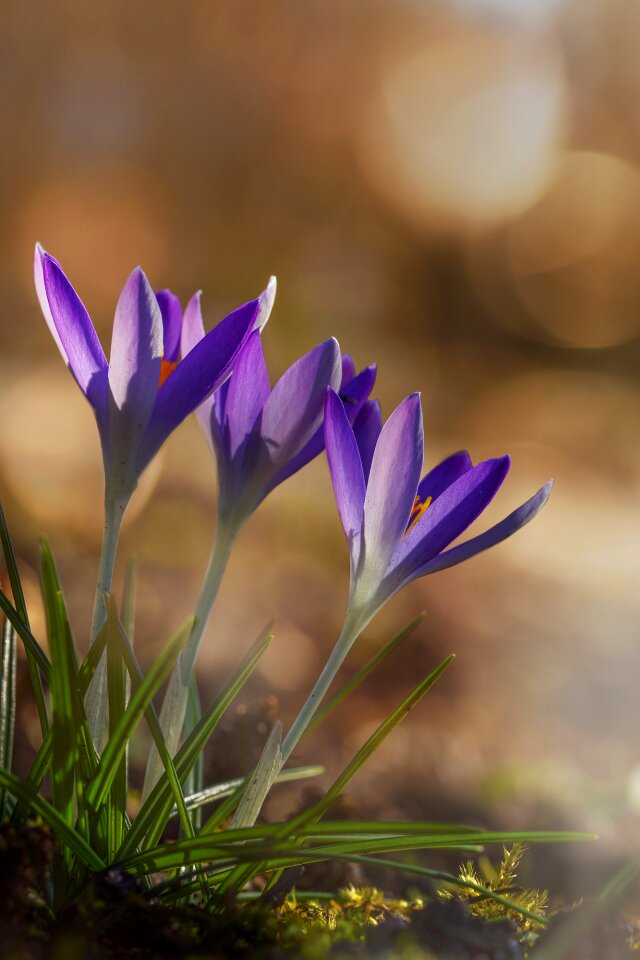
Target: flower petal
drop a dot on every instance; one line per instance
(267, 299)
(247, 392)
(171, 324)
(136, 350)
(366, 427)
(294, 409)
(496, 534)
(393, 481)
(74, 333)
(348, 369)
(446, 519)
(346, 471)
(362, 386)
(207, 364)
(443, 475)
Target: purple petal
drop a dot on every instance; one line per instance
(357, 391)
(366, 427)
(193, 333)
(437, 480)
(348, 369)
(134, 364)
(447, 518)
(362, 386)
(393, 481)
(247, 392)
(171, 324)
(202, 370)
(74, 334)
(346, 471)
(295, 406)
(491, 537)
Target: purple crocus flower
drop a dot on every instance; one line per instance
(143, 393)
(261, 435)
(399, 526)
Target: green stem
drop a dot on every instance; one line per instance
(353, 627)
(113, 513)
(96, 698)
(174, 705)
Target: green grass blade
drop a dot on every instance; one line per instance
(262, 845)
(195, 778)
(374, 741)
(116, 692)
(65, 753)
(31, 645)
(260, 781)
(154, 814)
(143, 696)
(66, 835)
(8, 664)
(137, 680)
(347, 689)
(21, 610)
(197, 800)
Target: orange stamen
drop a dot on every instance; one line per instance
(417, 511)
(166, 369)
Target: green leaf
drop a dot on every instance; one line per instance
(141, 699)
(22, 613)
(66, 835)
(156, 810)
(194, 780)
(221, 790)
(42, 760)
(347, 689)
(64, 684)
(262, 844)
(31, 645)
(8, 662)
(116, 689)
(260, 781)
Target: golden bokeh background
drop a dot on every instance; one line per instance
(450, 187)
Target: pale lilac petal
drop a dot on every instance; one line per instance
(192, 325)
(38, 277)
(74, 334)
(447, 518)
(267, 299)
(496, 534)
(295, 406)
(247, 393)
(346, 471)
(443, 475)
(171, 324)
(393, 481)
(366, 428)
(206, 365)
(134, 364)
(193, 333)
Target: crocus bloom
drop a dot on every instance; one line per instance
(261, 435)
(399, 526)
(143, 393)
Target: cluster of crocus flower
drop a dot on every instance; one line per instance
(163, 366)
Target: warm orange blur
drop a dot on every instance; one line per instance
(452, 190)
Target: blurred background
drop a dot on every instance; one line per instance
(452, 189)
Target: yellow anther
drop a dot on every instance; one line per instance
(417, 511)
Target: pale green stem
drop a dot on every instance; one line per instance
(353, 627)
(96, 698)
(269, 766)
(174, 705)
